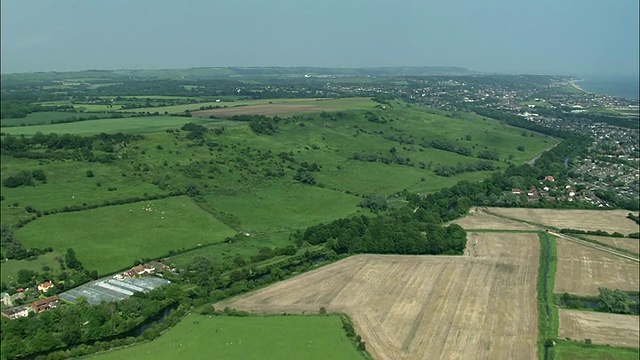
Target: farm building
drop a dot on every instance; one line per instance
(112, 289)
(45, 304)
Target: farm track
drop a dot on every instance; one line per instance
(595, 246)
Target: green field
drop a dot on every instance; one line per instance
(245, 180)
(282, 207)
(110, 238)
(222, 337)
(356, 103)
(10, 268)
(569, 350)
(43, 118)
(144, 124)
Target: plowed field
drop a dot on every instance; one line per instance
(582, 270)
(481, 305)
(601, 328)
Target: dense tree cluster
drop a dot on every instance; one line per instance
(24, 178)
(446, 145)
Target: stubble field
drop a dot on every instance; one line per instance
(480, 305)
(609, 220)
(632, 245)
(582, 270)
(480, 220)
(601, 328)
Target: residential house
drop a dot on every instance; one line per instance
(45, 304)
(45, 286)
(516, 191)
(549, 178)
(9, 300)
(16, 312)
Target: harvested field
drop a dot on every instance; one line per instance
(481, 305)
(601, 328)
(269, 109)
(479, 220)
(632, 245)
(607, 220)
(582, 270)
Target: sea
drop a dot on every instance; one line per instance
(619, 86)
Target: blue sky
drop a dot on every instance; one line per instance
(573, 37)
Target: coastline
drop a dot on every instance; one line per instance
(574, 83)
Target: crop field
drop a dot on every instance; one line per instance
(109, 239)
(581, 270)
(606, 220)
(254, 337)
(632, 245)
(142, 124)
(480, 220)
(601, 328)
(479, 305)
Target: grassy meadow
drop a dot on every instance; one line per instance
(569, 350)
(10, 268)
(110, 238)
(222, 337)
(245, 181)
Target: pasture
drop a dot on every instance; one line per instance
(283, 207)
(582, 270)
(479, 305)
(10, 268)
(137, 125)
(110, 238)
(606, 220)
(569, 350)
(258, 107)
(601, 328)
(253, 337)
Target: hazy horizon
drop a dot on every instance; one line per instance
(572, 37)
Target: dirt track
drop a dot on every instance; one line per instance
(601, 328)
(481, 305)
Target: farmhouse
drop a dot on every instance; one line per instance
(45, 304)
(16, 312)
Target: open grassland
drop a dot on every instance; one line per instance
(232, 338)
(138, 125)
(68, 185)
(110, 238)
(606, 220)
(601, 328)
(282, 207)
(43, 118)
(480, 220)
(582, 270)
(255, 107)
(632, 245)
(10, 268)
(569, 350)
(481, 305)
